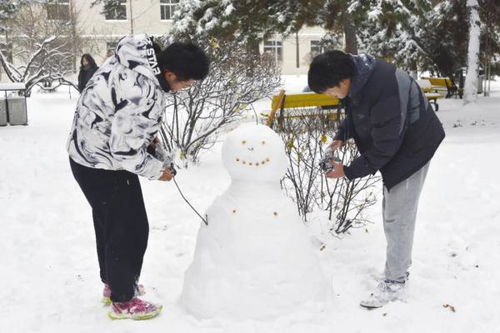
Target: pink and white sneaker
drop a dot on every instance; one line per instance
(106, 293)
(135, 309)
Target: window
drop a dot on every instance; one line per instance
(316, 48)
(167, 9)
(274, 48)
(116, 11)
(58, 10)
(110, 48)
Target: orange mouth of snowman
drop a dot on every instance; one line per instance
(252, 163)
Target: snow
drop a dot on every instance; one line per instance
(255, 259)
(12, 86)
(49, 272)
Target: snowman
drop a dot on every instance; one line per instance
(254, 260)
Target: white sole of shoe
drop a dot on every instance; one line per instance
(369, 306)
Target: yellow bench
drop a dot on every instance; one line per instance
(430, 92)
(432, 98)
(296, 106)
(444, 84)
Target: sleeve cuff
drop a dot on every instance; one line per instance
(358, 168)
(156, 169)
(348, 173)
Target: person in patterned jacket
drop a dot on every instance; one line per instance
(115, 126)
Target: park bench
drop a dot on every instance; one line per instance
(431, 93)
(445, 85)
(303, 105)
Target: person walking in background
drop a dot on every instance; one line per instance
(397, 133)
(113, 140)
(87, 68)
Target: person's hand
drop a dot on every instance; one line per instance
(337, 172)
(152, 145)
(166, 176)
(336, 144)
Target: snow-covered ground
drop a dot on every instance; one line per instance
(48, 265)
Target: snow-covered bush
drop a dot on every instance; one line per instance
(306, 139)
(237, 78)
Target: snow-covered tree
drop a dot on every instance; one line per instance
(391, 30)
(248, 22)
(7, 10)
(238, 75)
(253, 21)
(110, 7)
(38, 49)
(443, 38)
(490, 40)
(237, 78)
(470, 88)
(425, 34)
(344, 17)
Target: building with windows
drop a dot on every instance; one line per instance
(99, 33)
(295, 52)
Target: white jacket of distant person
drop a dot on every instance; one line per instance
(120, 111)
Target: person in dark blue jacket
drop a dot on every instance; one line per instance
(397, 133)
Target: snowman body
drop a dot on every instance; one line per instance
(254, 259)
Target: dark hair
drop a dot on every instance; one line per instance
(186, 60)
(328, 69)
(90, 60)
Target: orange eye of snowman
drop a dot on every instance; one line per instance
(263, 142)
(243, 142)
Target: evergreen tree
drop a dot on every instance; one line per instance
(443, 37)
(394, 30)
(110, 7)
(249, 22)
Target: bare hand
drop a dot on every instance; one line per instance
(166, 176)
(152, 145)
(336, 144)
(337, 172)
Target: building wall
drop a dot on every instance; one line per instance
(99, 33)
(301, 51)
(147, 19)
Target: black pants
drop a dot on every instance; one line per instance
(120, 223)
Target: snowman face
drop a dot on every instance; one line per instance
(254, 152)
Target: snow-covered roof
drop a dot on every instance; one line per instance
(12, 86)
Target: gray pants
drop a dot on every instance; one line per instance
(399, 208)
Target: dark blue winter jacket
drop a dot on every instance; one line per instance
(391, 121)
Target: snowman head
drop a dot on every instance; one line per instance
(255, 153)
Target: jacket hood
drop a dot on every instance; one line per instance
(363, 67)
(137, 52)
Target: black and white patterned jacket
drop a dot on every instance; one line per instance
(120, 111)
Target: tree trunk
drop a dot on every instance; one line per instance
(253, 46)
(297, 50)
(351, 44)
(470, 88)
(413, 69)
